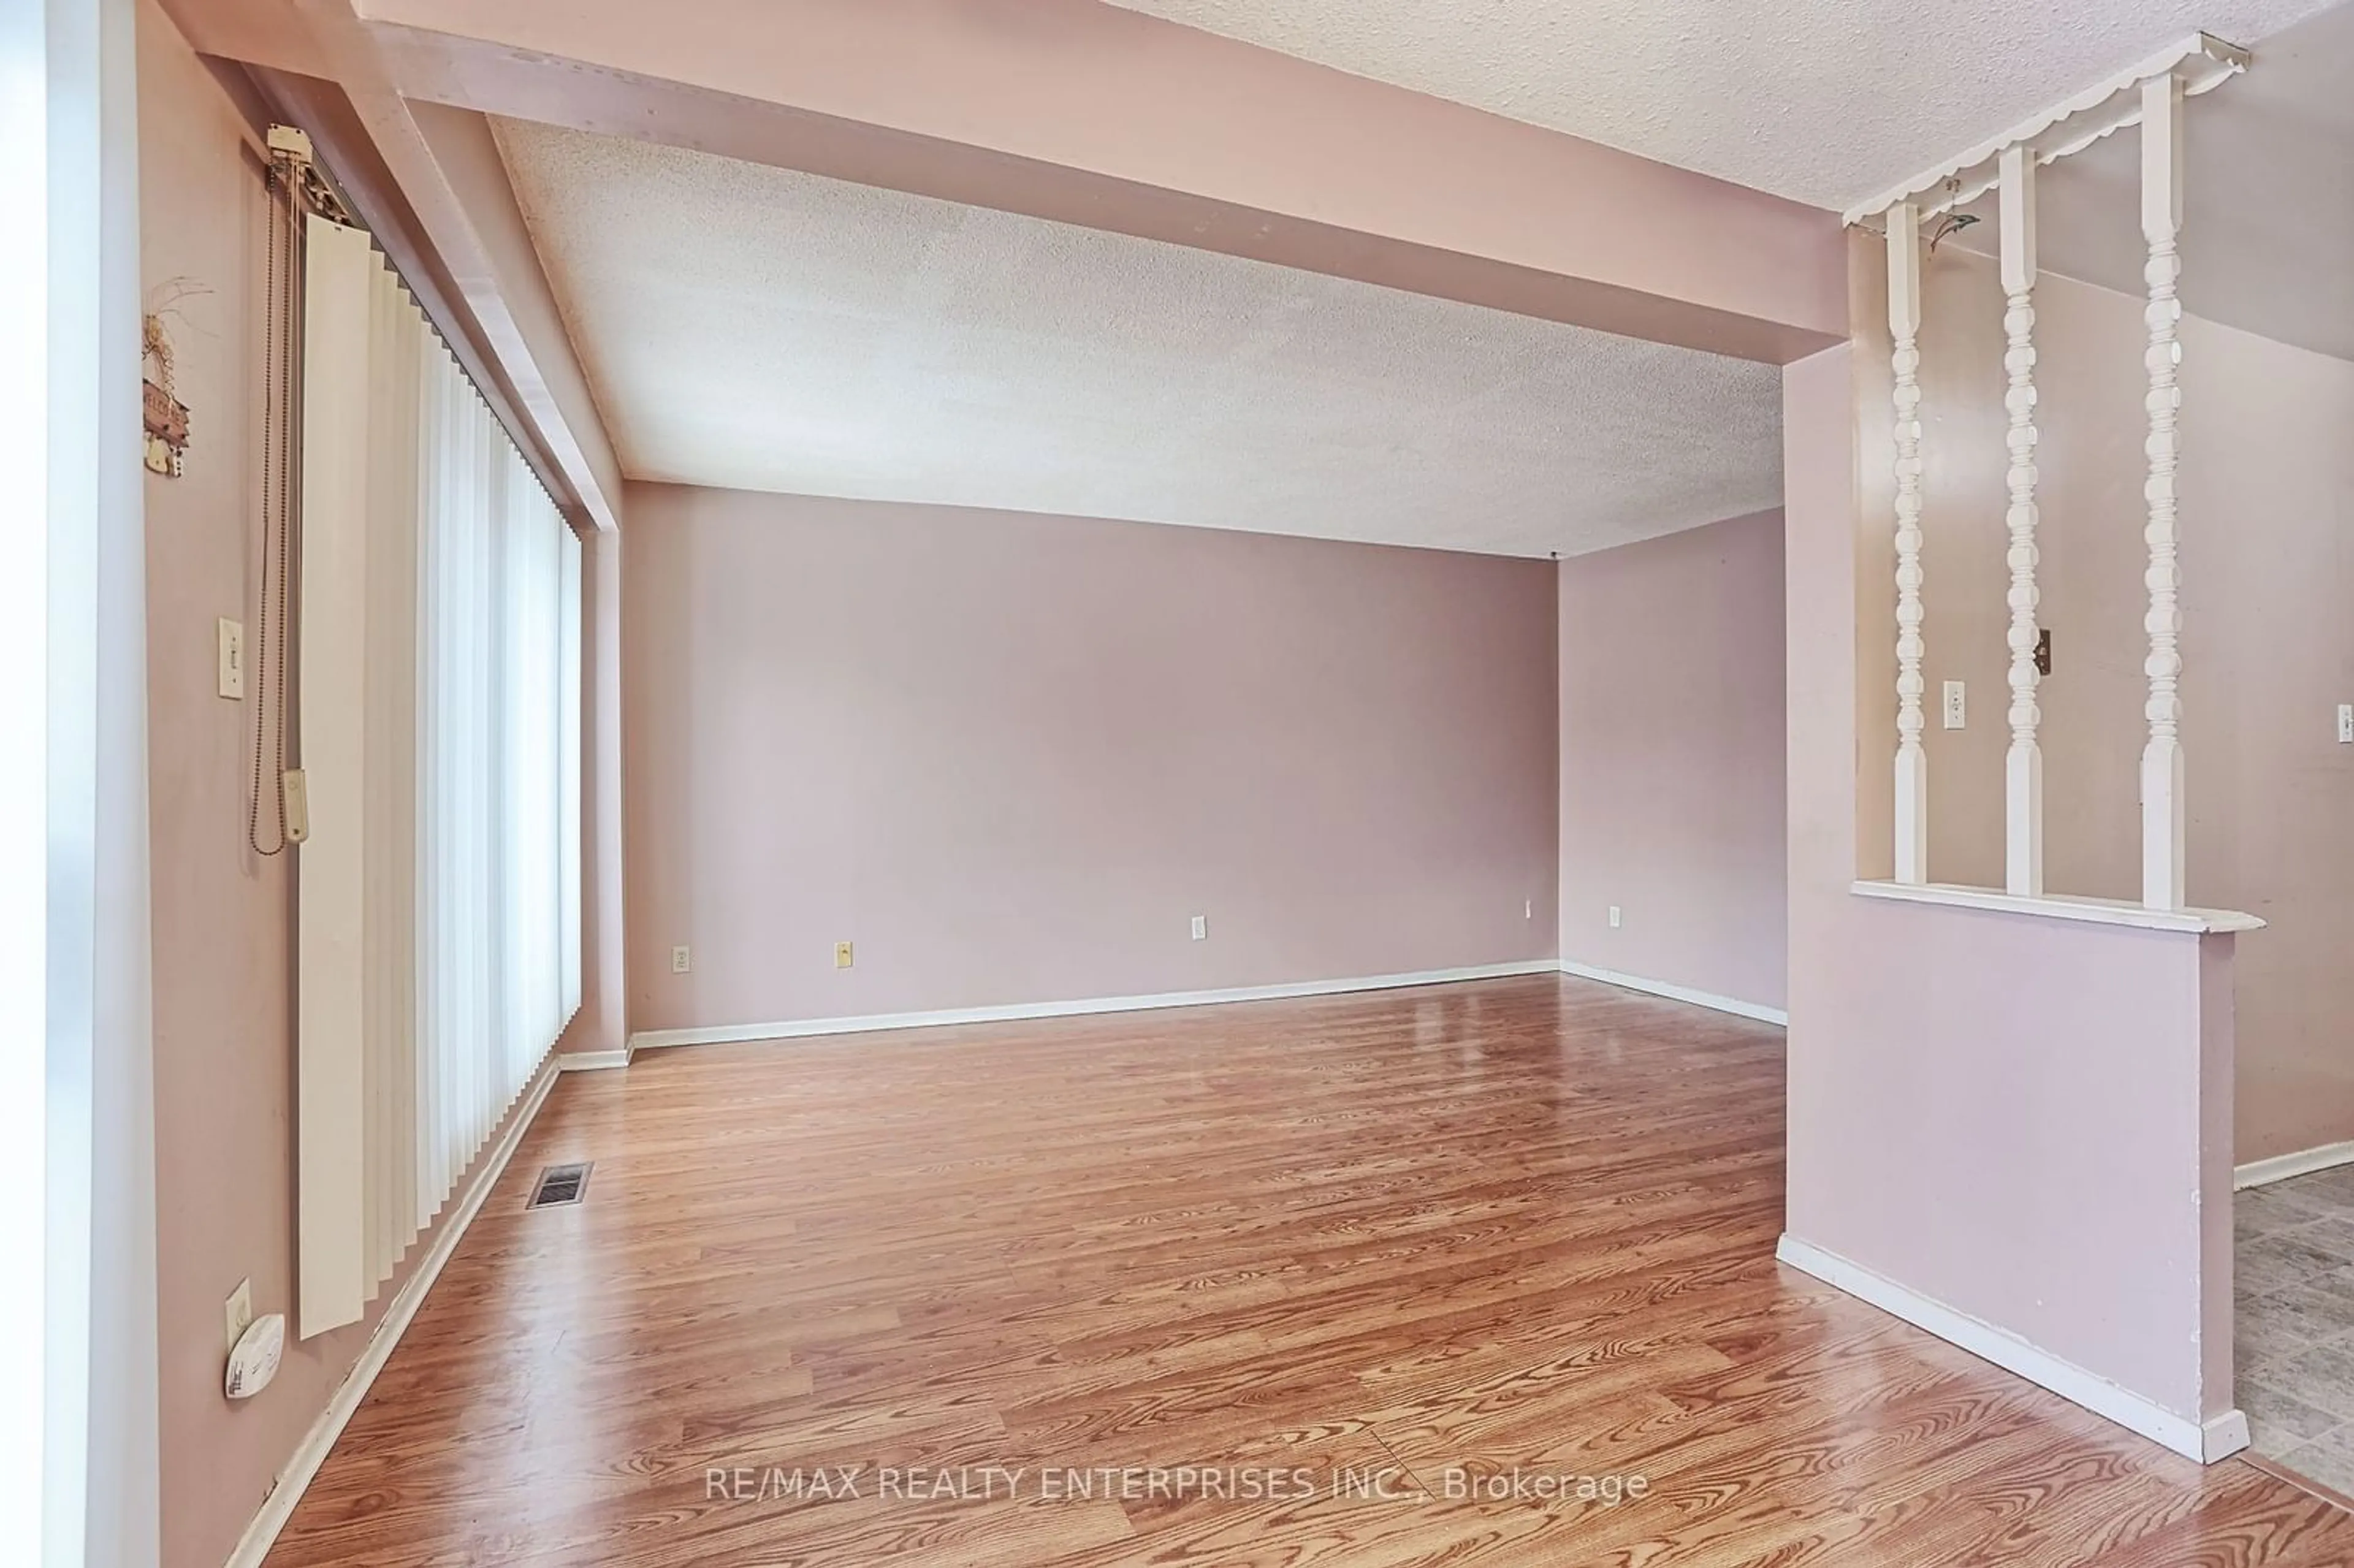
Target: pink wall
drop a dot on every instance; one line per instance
(1671, 760)
(2021, 1118)
(2268, 654)
(602, 1022)
(223, 974)
(223, 999)
(1010, 756)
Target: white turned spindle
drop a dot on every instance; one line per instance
(2023, 765)
(1905, 325)
(2161, 759)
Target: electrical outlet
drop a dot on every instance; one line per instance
(1615, 920)
(680, 959)
(229, 654)
(841, 955)
(237, 1312)
(1954, 712)
(2345, 724)
(1201, 927)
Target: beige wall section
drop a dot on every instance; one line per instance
(2267, 569)
(1673, 803)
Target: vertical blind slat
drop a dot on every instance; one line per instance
(441, 898)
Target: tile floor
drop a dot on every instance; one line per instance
(2295, 1328)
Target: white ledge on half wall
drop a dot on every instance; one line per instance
(2098, 911)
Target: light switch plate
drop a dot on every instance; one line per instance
(228, 655)
(1201, 927)
(2345, 724)
(841, 955)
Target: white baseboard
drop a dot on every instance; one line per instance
(2281, 1167)
(1763, 1014)
(802, 1029)
(594, 1061)
(2219, 1437)
(278, 1507)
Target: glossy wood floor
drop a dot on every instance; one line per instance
(1521, 1223)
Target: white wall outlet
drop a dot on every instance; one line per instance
(1616, 920)
(2345, 724)
(1954, 712)
(229, 657)
(841, 955)
(237, 1312)
(1201, 927)
(680, 959)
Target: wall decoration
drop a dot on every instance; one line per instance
(163, 415)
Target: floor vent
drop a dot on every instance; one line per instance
(559, 1185)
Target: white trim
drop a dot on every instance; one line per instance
(1757, 1011)
(278, 1507)
(2218, 1437)
(593, 1061)
(805, 1028)
(2052, 907)
(2202, 62)
(2281, 1167)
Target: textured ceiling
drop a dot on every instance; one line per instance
(1825, 102)
(760, 329)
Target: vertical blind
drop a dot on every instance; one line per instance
(439, 924)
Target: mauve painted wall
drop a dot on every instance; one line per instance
(2268, 652)
(602, 1022)
(2026, 1119)
(1010, 756)
(223, 932)
(1671, 760)
(222, 926)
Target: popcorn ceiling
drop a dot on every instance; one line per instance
(761, 329)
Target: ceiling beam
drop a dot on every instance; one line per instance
(1082, 112)
(429, 184)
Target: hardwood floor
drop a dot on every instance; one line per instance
(1434, 1237)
